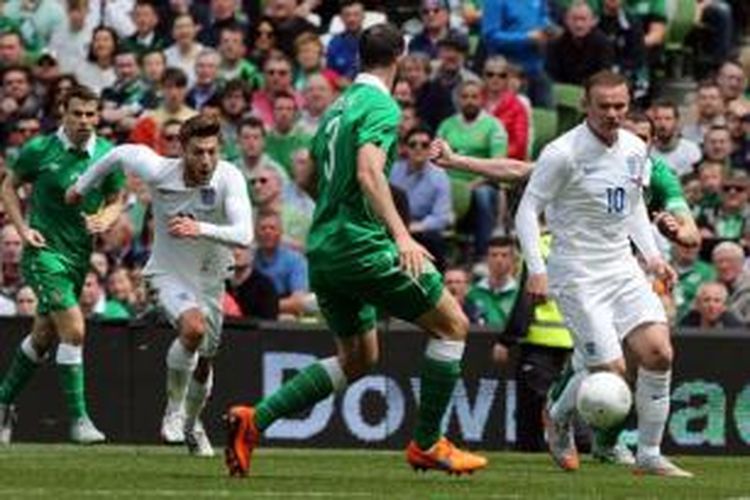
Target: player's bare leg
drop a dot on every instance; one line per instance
(69, 325)
(441, 369)
(29, 355)
(652, 348)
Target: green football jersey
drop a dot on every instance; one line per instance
(344, 226)
(665, 190)
(51, 165)
(485, 137)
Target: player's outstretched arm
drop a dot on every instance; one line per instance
(9, 196)
(239, 215)
(371, 162)
(132, 158)
(499, 169)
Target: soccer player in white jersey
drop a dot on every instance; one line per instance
(589, 184)
(201, 210)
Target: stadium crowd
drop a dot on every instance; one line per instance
(489, 77)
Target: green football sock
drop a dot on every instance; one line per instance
(71, 377)
(607, 438)
(438, 379)
(20, 372)
(304, 390)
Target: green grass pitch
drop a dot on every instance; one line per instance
(65, 471)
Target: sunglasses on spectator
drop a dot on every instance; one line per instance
(267, 33)
(28, 130)
(495, 74)
(278, 72)
(419, 144)
(258, 180)
(733, 189)
(430, 11)
(171, 137)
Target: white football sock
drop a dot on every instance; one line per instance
(652, 406)
(563, 407)
(180, 365)
(195, 401)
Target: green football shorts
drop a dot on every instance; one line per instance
(55, 281)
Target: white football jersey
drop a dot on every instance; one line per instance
(222, 208)
(589, 192)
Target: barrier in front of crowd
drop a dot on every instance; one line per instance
(125, 382)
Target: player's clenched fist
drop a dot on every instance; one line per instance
(536, 287)
(181, 226)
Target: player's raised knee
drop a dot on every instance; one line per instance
(192, 329)
(660, 357)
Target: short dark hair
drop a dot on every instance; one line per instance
(284, 95)
(708, 83)
(233, 28)
(82, 93)
(17, 68)
(252, 122)
(638, 116)
(665, 103)
(380, 46)
(235, 85)
(502, 242)
(174, 76)
(347, 3)
(418, 130)
(605, 78)
(200, 126)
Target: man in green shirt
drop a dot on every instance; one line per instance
(496, 295)
(363, 259)
(57, 244)
(475, 133)
(287, 136)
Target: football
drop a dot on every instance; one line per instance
(604, 399)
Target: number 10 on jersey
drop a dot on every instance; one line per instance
(615, 200)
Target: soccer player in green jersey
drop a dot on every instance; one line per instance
(57, 244)
(362, 258)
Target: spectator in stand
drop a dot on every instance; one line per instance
(98, 71)
(729, 259)
(148, 127)
(679, 153)
(44, 73)
(318, 95)
(235, 104)
(428, 190)
(496, 294)
(153, 66)
(72, 35)
(277, 74)
(717, 145)
(288, 24)
(435, 27)
(183, 53)
(11, 246)
(298, 206)
(732, 81)
(451, 68)
(308, 53)
(286, 136)
(12, 52)
(692, 272)
(625, 33)
(120, 288)
(252, 138)
(457, 282)
(520, 31)
(206, 78)
(474, 132)
(267, 194)
(263, 41)
(736, 114)
(501, 102)
(146, 37)
(710, 309)
(711, 177)
(342, 55)
(94, 304)
(582, 50)
(99, 263)
(709, 111)
(434, 103)
(123, 102)
(26, 302)
(234, 66)
(253, 291)
(729, 219)
(287, 268)
(223, 14)
(409, 121)
(402, 93)
(24, 128)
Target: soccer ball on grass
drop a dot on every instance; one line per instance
(603, 399)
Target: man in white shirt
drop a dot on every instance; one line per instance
(589, 183)
(201, 210)
(679, 153)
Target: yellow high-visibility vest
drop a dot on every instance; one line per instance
(547, 327)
